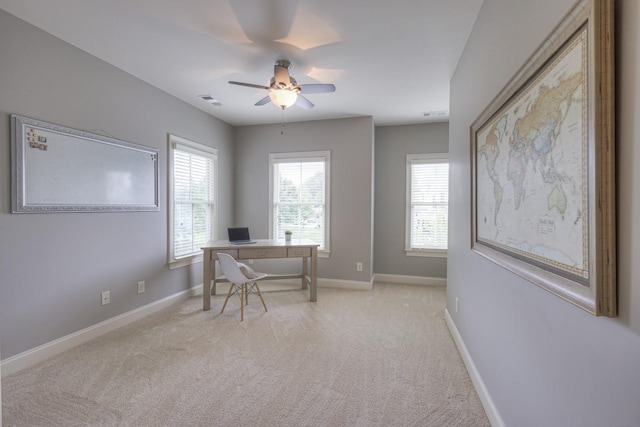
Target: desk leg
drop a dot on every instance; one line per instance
(314, 274)
(206, 281)
(305, 272)
(213, 277)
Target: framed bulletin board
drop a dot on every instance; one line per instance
(58, 169)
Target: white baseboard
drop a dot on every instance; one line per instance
(481, 389)
(410, 280)
(35, 355)
(38, 354)
(352, 285)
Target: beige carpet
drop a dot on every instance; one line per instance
(355, 358)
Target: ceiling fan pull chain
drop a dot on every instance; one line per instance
(282, 129)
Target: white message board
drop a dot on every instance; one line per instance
(58, 169)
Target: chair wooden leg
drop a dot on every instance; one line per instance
(242, 297)
(260, 295)
(227, 298)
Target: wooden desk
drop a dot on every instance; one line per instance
(266, 248)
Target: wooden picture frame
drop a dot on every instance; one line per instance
(543, 165)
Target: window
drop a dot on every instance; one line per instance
(427, 205)
(192, 199)
(299, 196)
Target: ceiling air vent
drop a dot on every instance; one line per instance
(211, 100)
(441, 114)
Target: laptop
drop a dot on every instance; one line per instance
(239, 236)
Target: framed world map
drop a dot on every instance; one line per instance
(543, 176)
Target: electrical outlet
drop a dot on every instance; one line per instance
(141, 286)
(250, 261)
(358, 266)
(457, 304)
(105, 297)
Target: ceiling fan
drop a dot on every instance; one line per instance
(284, 91)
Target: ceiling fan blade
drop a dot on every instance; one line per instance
(281, 75)
(249, 85)
(317, 88)
(303, 102)
(266, 20)
(263, 101)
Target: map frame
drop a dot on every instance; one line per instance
(590, 283)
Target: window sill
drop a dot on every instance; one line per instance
(428, 253)
(182, 262)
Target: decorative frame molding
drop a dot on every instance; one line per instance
(60, 169)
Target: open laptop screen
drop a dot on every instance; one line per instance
(238, 234)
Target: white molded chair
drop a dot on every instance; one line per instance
(240, 284)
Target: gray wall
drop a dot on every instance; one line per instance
(544, 361)
(54, 266)
(393, 143)
(351, 144)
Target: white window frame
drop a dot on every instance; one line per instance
(182, 144)
(306, 156)
(420, 159)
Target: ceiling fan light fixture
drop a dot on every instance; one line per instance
(284, 90)
(283, 98)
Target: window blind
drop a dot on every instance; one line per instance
(193, 202)
(429, 204)
(299, 199)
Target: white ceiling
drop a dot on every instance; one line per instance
(388, 59)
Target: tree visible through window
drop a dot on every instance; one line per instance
(299, 196)
(427, 204)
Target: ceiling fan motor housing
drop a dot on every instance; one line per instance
(293, 85)
(284, 90)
